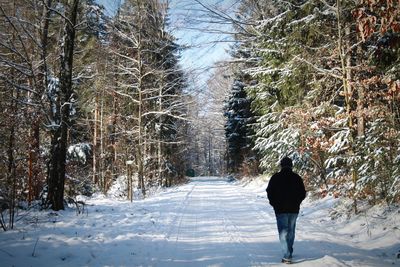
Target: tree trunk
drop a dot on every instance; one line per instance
(35, 181)
(94, 150)
(114, 154)
(345, 58)
(140, 146)
(139, 149)
(59, 139)
(11, 177)
(360, 105)
(11, 170)
(104, 169)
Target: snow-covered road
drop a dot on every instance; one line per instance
(213, 222)
(207, 222)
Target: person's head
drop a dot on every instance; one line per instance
(286, 163)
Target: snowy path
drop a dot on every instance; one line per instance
(208, 222)
(214, 223)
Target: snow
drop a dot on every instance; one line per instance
(207, 222)
(79, 152)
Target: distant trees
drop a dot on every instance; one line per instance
(206, 153)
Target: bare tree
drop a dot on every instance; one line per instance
(148, 85)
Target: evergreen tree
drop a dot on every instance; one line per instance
(237, 129)
(317, 89)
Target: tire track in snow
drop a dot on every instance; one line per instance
(231, 227)
(176, 227)
(234, 233)
(261, 213)
(254, 232)
(268, 219)
(211, 215)
(179, 216)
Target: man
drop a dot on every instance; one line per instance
(285, 193)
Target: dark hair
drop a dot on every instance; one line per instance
(286, 162)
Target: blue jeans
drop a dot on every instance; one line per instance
(286, 227)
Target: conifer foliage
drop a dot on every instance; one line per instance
(325, 91)
(237, 128)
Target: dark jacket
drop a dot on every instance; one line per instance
(286, 191)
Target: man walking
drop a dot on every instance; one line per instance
(285, 193)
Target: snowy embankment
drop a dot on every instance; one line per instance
(208, 222)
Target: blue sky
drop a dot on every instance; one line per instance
(204, 48)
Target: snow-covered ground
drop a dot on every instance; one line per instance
(207, 222)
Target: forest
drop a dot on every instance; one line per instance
(87, 98)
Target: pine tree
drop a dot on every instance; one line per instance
(237, 129)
